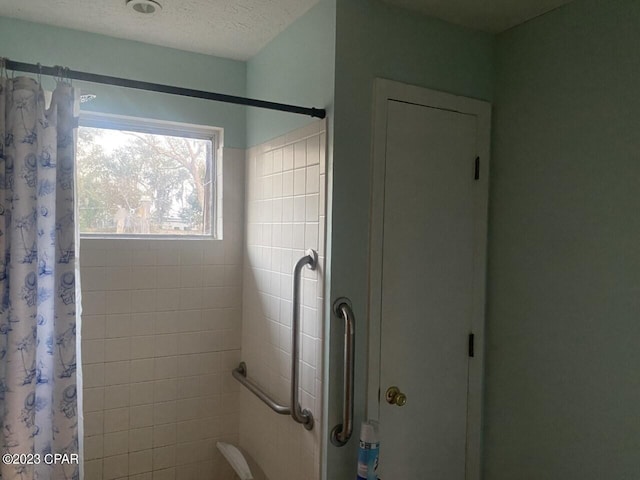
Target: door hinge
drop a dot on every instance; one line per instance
(476, 174)
(471, 346)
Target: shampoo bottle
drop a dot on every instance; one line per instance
(368, 451)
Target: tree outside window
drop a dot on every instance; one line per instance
(140, 183)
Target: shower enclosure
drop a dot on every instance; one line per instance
(166, 322)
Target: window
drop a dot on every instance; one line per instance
(145, 178)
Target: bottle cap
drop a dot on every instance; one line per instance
(369, 431)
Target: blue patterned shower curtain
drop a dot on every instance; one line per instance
(39, 412)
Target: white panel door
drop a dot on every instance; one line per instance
(427, 298)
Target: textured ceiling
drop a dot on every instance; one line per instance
(240, 28)
(488, 15)
(226, 28)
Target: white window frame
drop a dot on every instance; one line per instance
(163, 127)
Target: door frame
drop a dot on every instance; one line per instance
(385, 90)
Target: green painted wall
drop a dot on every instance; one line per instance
(562, 388)
(376, 40)
(33, 43)
(297, 67)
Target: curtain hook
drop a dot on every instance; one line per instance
(39, 73)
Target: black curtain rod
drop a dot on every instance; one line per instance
(156, 87)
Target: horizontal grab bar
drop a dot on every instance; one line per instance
(240, 374)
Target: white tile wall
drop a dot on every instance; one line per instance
(285, 215)
(160, 335)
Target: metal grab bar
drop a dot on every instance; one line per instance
(240, 374)
(301, 416)
(341, 433)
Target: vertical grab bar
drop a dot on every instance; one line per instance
(341, 433)
(297, 413)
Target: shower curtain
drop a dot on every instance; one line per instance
(38, 381)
